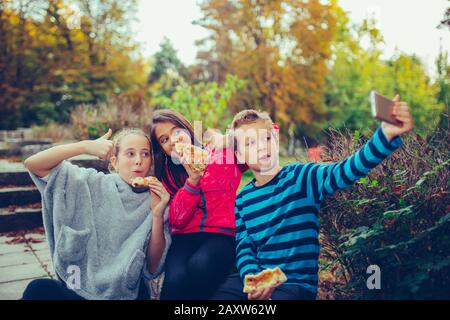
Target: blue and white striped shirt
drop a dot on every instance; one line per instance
(277, 224)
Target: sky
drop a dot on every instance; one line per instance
(407, 26)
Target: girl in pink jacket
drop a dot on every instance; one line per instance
(201, 213)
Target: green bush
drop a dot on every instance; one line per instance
(93, 121)
(397, 217)
(207, 102)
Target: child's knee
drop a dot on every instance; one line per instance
(209, 268)
(197, 267)
(176, 277)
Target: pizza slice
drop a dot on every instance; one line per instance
(268, 278)
(197, 158)
(142, 182)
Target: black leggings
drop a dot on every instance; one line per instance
(49, 289)
(196, 264)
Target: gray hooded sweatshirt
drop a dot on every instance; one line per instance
(97, 225)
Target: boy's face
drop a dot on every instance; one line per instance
(257, 146)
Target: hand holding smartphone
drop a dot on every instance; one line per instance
(382, 108)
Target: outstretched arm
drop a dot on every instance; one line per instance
(43, 162)
(327, 178)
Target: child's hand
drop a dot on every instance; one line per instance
(194, 176)
(159, 198)
(401, 113)
(101, 147)
(261, 294)
(218, 141)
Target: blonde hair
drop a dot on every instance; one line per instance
(118, 137)
(250, 116)
(246, 117)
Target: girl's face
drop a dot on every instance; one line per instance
(134, 157)
(168, 134)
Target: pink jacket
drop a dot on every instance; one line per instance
(209, 206)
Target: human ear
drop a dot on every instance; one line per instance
(114, 163)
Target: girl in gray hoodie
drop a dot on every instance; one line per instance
(106, 239)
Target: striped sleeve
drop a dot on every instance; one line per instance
(327, 178)
(246, 261)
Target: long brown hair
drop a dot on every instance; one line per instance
(176, 171)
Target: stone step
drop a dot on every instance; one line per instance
(23, 148)
(15, 178)
(19, 196)
(20, 199)
(9, 152)
(20, 219)
(27, 142)
(15, 174)
(11, 165)
(19, 133)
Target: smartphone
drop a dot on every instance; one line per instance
(382, 108)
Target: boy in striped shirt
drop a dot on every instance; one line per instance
(277, 213)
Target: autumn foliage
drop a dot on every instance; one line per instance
(57, 54)
(281, 47)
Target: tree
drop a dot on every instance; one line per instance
(445, 22)
(196, 102)
(409, 78)
(165, 59)
(280, 47)
(105, 25)
(56, 54)
(356, 70)
(18, 59)
(167, 71)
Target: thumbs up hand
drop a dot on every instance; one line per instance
(101, 147)
(107, 135)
